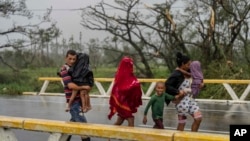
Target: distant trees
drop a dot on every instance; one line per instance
(20, 30)
(215, 32)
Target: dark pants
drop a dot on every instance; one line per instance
(77, 116)
(86, 139)
(158, 123)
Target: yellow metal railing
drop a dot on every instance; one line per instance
(106, 93)
(62, 128)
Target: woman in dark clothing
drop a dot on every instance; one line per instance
(180, 83)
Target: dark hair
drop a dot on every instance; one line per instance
(71, 52)
(160, 82)
(181, 59)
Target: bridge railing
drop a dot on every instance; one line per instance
(60, 130)
(106, 92)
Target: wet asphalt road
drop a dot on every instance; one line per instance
(216, 116)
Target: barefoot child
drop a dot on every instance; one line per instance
(81, 75)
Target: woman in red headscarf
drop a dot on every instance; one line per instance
(126, 93)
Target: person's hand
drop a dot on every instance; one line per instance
(187, 90)
(145, 120)
(202, 85)
(182, 93)
(179, 96)
(176, 97)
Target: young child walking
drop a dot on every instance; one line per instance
(81, 75)
(156, 103)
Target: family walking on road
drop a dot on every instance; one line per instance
(180, 88)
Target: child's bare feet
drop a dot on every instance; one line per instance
(67, 109)
(89, 108)
(84, 109)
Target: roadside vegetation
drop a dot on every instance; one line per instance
(216, 33)
(26, 80)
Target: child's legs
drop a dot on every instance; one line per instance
(87, 99)
(72, 97)
(158, 123)
(82, 96)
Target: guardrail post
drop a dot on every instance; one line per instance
(44, 87)
(231, 91)
(103, 93)
(100, 88)
(245, 93)
(7, 135)
(150, 89)
(58, 137)
(110, 88)
(62, 83)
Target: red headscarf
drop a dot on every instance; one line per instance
(126, 93)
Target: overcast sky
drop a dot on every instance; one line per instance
(69, 20)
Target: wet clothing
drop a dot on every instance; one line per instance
(173, 82)
(75, 109)
(126, 92)
(158, 123)
(197, 75)
(66, 80)
(156, 103)
(187, 105)
(76, 113)
(81, 72)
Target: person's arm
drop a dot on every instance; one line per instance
(179, 96)
(184, 72)
(146, 110)
(169, 97)
(68, 81)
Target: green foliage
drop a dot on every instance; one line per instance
(224, 70)
(14, 88)
(104, 72)
(15, 83)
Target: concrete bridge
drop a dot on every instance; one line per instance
(105, 92)
(40, 117)
(44, 112)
